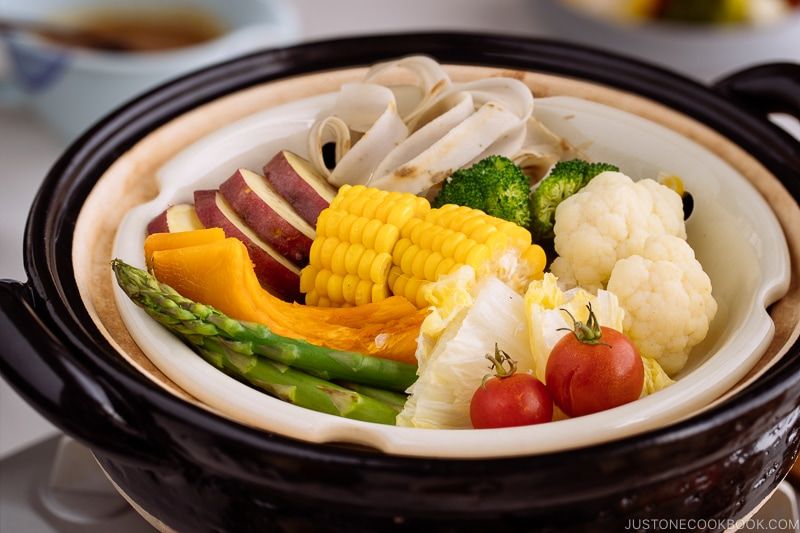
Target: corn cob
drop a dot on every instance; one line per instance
(372, 243)
(350, 259)
(452, 236)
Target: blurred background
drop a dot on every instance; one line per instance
(65, 63)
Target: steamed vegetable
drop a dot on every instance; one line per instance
(593, 368)
(668, 300)
(157, 242)
(235, 347)
(352, 252)
(611, 219)
(565, 179)
(391, 397)
(221, 274)
(494, 185)
(509, 399)
(452, 363)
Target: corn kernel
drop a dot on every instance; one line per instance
(408, 227)
(313, 253)
(445, 267)
(379, 292)
(425, 240)
(352, 190)
(329, 244)
(418, 264)
(358, 204)
(383, 209)
(421, 206)
(352, 258)
(431, 264)
(365, 263)
(321, 282)
(420, 299)
(399, 285)
(412, 288)
(312, 298)
(370, 232)
(344, 226)
(478, 257)
(498, 243)
(363, 292)
(408, 258)
(307, 277)
(458, 216)
(535, 257)
(334, 288)
(451, 243)
(370, 209)
(399, 250)
(401, 213)
(482, 233)
(471, 224)
(419, 230)
(386, 238)
(394, 273)
(349, 284)
(439, 239)
(521, 236)
(337, 258)
(463, 248)
(322, 220)
(379, 269)
(357, 230)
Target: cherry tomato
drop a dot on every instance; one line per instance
(515, 400)
(587, 377)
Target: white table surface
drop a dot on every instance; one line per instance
(27, 148)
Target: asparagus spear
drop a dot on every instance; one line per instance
(197, 324)
(294, 386)
(196, 318)
(395, 399)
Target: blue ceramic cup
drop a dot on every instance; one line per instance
(72, 87)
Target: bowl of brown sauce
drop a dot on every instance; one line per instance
(73, 61)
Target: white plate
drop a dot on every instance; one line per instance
(733, 231)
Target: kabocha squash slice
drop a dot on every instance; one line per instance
(212, 273)
(220, 274)
(157, 242)
(394, 307)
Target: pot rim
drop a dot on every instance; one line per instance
(71, 178)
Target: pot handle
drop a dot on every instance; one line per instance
(34, 361)
(764, 89)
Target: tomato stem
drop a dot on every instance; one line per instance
(588, 333)
(499, 361)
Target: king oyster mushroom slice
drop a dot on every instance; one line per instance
(364, 108)
(454, 149)
(494, 124)
(409, 138)
(431, 79)
(458, 107)
(330, 129)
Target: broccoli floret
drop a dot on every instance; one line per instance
(565, 179)
(494, 185)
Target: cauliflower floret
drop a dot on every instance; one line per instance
(610, 219)
(667, 299)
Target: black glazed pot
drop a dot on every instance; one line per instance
(196, 471)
